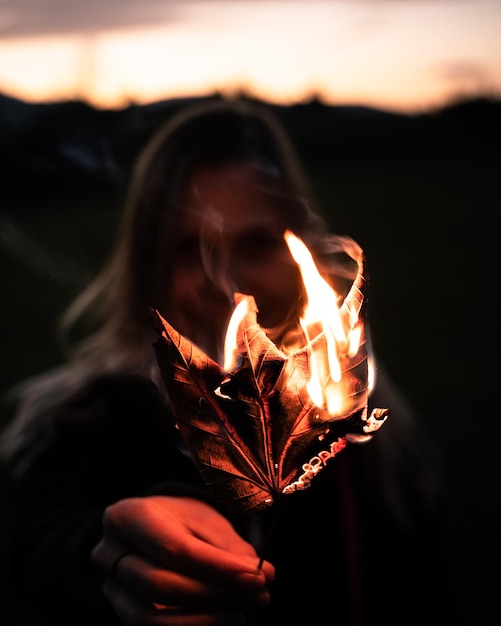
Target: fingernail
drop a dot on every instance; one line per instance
(252, 580)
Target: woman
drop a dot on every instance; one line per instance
(109, 520)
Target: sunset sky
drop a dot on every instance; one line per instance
(399, 54)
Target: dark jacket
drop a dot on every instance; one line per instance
(359, 546)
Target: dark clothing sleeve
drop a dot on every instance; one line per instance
(361, 546)
(110, 442)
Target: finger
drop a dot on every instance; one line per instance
(133, 612)
(106, 554)
(152, 583)
(172, 534)
(210, 526)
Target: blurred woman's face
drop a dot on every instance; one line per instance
(229, 239)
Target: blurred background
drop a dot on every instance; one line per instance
(395, 109)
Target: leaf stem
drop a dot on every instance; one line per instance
(269, 533)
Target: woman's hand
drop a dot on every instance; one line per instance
(177, 561)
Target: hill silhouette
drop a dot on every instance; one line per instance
(72, 146)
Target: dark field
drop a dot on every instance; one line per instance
(419, 193)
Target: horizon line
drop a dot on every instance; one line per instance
(452, 101)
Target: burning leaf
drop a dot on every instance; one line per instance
(252, 427)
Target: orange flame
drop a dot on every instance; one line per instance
(331, 335)
(322, 317)
(230, 342)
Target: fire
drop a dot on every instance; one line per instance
(331, 335)
(269, 421)
(230, 342)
